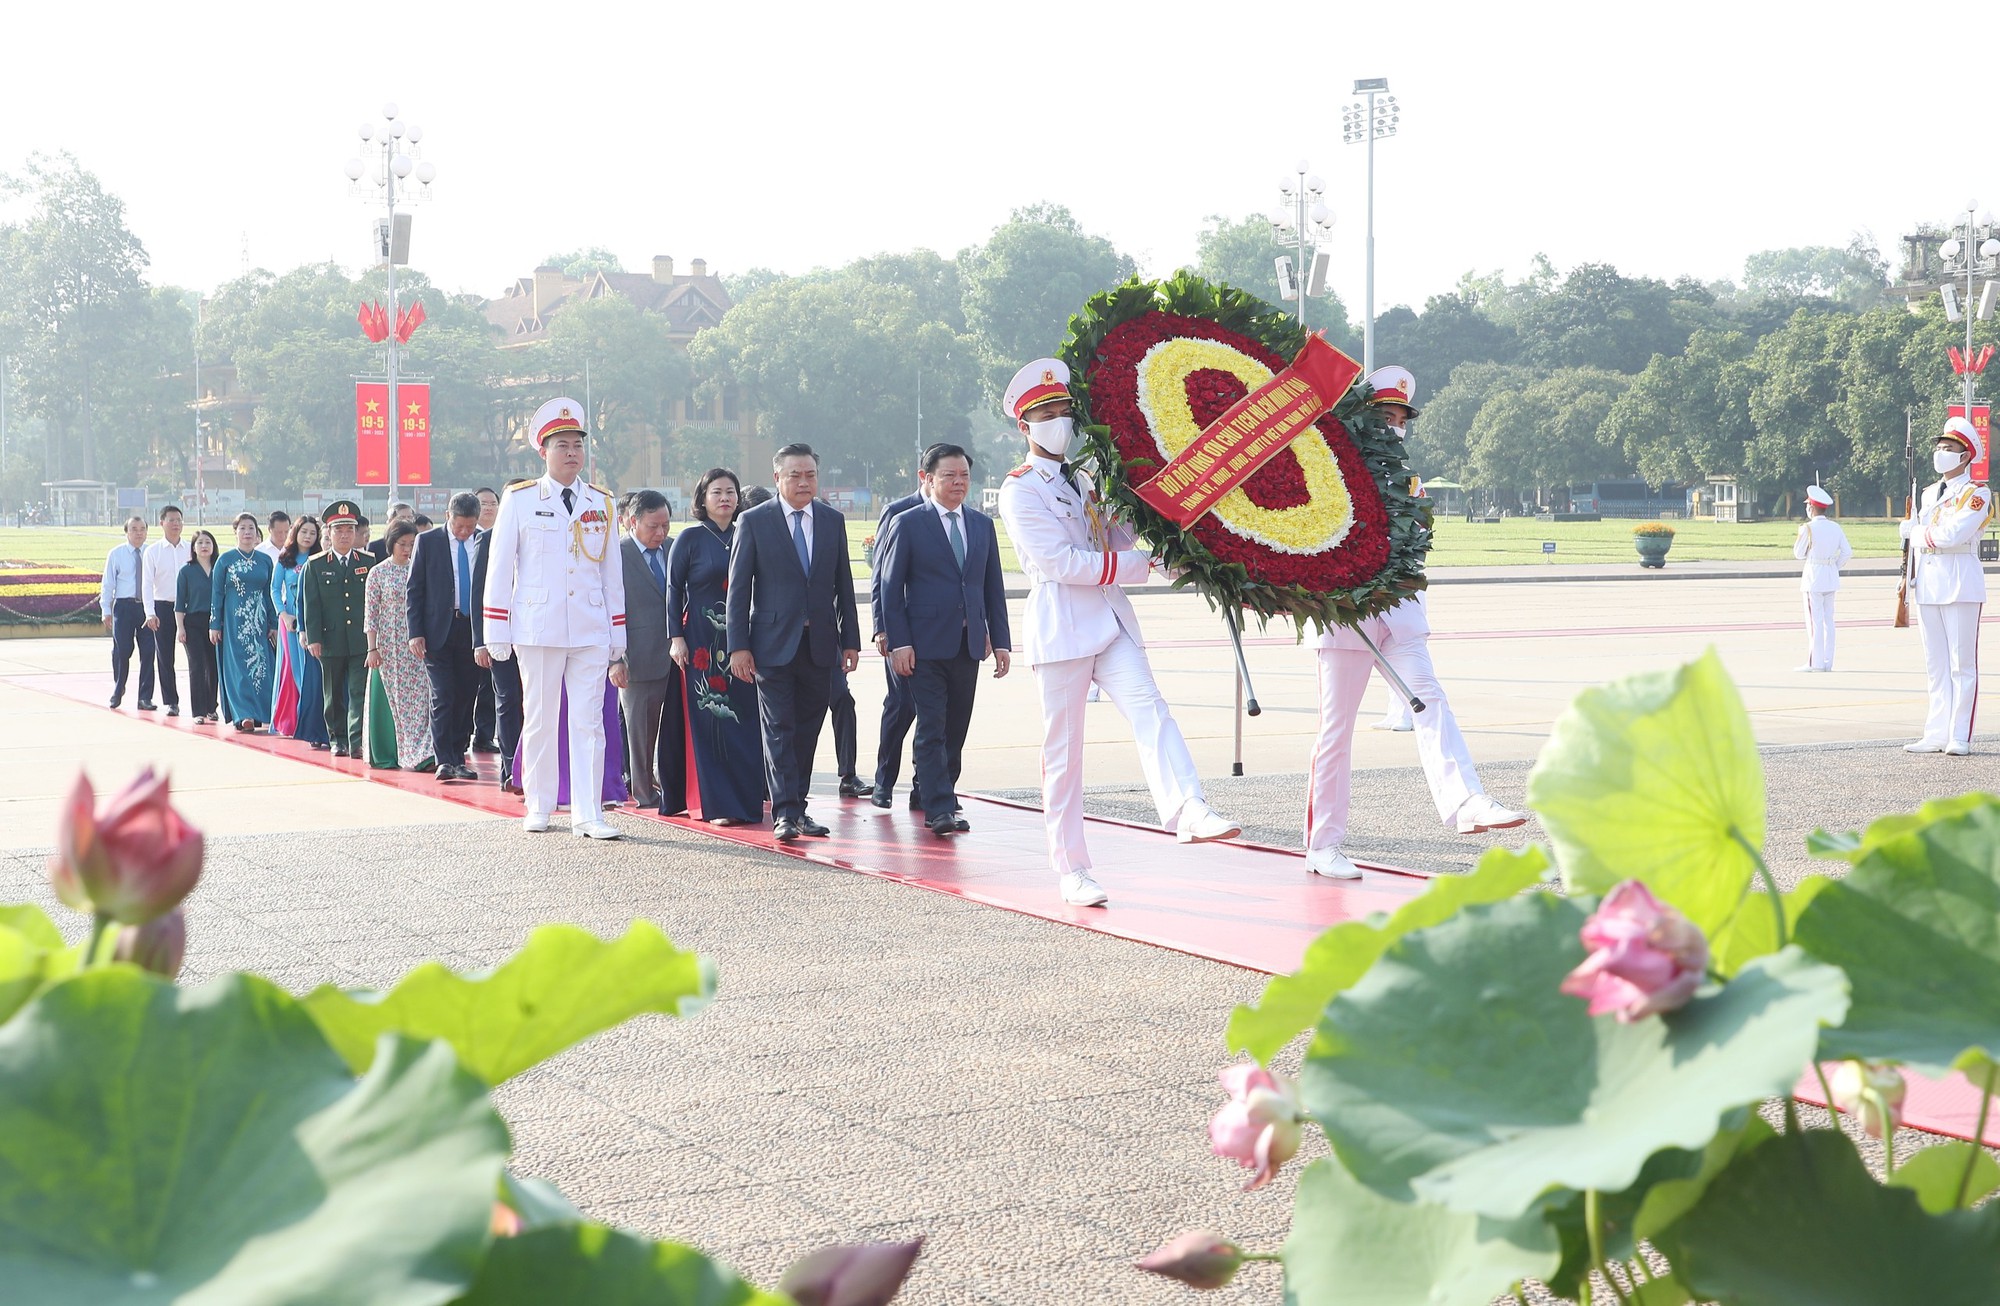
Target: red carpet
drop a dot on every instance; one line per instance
(1238, 903)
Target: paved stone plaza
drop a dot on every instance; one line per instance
(883, 1061)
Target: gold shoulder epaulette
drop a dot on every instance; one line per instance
(1022, 470)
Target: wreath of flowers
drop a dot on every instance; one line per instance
(1326, 532)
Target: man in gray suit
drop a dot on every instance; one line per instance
(791, 618)
(644, 697)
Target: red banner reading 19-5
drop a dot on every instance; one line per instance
(1230, 449)
(1982, 422)
(371, 432)
(413, 433)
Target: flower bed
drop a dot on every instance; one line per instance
(47, 596)
(1326, 532)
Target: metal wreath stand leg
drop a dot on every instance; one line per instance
(1396, 682)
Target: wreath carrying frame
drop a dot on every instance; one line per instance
(1379, 559)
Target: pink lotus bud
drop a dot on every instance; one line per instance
(1872, 1094)
(1198, 1258)
(506, 1221)
(1260, 1127)
(1645, 957)
(160, 945)
(866, 1274)
(134, 862)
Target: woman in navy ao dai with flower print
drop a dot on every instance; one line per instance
(245, 629)
(711, 752)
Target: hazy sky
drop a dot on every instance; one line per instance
(796, 135)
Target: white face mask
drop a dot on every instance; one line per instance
(1397, 431)
(1946, 463)
(1053, 435)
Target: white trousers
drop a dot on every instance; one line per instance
(545, 674)
(1126, 678)
(1819, 629)
(1441, 746)
(1951, 661)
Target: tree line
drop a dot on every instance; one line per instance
(1802, 371)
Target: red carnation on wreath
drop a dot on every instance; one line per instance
(1326, 532)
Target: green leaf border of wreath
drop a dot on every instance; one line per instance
(1228, 584)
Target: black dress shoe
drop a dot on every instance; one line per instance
(851, 787)
(485, 746)
(964, 826)
(916, 803)
(809, 826)
(881, 798)
(320, 748)
(114, 704)
(946, 826)
(339, 751)
(173, 709)
(784, 831)
(147, 705)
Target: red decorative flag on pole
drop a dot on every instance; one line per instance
(413, 436)
(1982, 422)
(1230, 449)
(371, 432)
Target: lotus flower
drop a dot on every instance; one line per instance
(160, 945)
(1645, 957)
(134, 862)
(1199, 1258)
(1261, 1125)
(1872, 1094)
(865, 1274)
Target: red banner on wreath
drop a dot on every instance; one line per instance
(1982, 422)
(1232, 447)
(413, 433)
(371, 432)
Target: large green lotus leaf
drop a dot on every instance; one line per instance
(1291, 1004)
(564, 985)
(1916, 926)
(32, 956)
(1799, 1221)
(1349, 1244)
(1940, 1174)
(205, 1146)
(1753, 931)
(33, 923)
(1653, 778)
(1457, 1072)
(1851, 847)
(605, 1267)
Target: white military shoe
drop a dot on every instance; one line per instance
(1199, 823)
(1924, 746)
(1480, 813)
(598, 829)
(1959, 747)
(1079, 890)
(1332, 863)
(535, 822)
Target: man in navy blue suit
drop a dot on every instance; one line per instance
(442, 602)
(791, 618)
(899, 712)
(944, 608)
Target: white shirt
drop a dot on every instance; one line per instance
(451, 551)
(122, 580)
(270, 551)
(163, 569)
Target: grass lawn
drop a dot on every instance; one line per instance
(1459, 543)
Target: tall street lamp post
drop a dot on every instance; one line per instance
(1303, 219)
(1369, 122)
(1973, 252)
(393, 143)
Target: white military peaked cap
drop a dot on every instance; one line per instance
(1961, 429)
(1037, 383)
(556, 417)
(1814, 494)
(1392, 385)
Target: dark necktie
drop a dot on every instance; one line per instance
(957, 540)
(464, 580)
(138, 573)
(569, 499)
(659, 572)
(799, 539)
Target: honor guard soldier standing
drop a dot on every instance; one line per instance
(333, 599)
(1403, 635)
(1950, 588)
(555, 596)
(1823, 547)
(1080, 628)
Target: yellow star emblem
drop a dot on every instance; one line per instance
(415, 408)
(373, 405)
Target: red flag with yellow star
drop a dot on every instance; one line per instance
(371, 433)
(413, 434)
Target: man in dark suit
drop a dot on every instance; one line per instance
(647, 665)
(482, 706)
(944, 608)
(442, 600)
(507, 699)
(898, 711)
(791, 618)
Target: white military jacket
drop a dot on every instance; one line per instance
(1944, 537)
(554, 578)
(1823, 547)
(1075, 557)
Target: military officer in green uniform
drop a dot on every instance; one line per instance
(334, 600)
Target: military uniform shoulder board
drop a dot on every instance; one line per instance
(1022, 470)
(520, 484)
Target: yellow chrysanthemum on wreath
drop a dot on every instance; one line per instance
(1320, 523)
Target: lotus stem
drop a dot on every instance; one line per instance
(1827, 1089)
(1770, 883)
(1978, 1139)
(1518, 1296)
(1881, 1105)
(99, 924)
(1593, 1222)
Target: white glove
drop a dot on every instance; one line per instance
(1906, 527)
(499, 652)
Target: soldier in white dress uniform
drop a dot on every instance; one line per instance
(1823, 547)
(1403, 635)
(1950, 588)
(1080, 627)
(555, 596)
